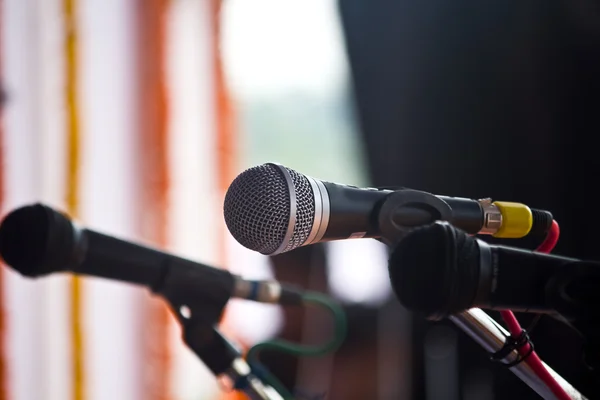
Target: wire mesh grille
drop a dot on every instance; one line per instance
(257, 208)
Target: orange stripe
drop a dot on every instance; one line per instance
(226, 149)
(72, 187)
(227, 154)
(3, 367)
(154, 174)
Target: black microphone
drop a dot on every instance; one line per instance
(272, 209)
(36, 240)
(438, 270)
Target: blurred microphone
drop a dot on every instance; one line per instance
(272, 209)
(36, 240)
(439, 270)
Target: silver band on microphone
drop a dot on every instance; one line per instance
(293, 208)
(321, 219)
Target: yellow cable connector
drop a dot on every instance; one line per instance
(516, 220)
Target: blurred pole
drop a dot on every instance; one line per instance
(441, 364)
(303, 267)
(394, 340)
(314, 376)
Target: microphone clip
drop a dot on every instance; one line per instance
(406, 209)
(198, 312)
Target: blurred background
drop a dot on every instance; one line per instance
(135, 115)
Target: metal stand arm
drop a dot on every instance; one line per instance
(491, 336)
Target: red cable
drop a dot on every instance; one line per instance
(548, 244)
(515, 329)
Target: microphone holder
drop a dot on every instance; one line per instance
(475, 322)
(198, 312)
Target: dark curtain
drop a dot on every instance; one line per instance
(486, 99)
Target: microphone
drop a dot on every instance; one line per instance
(438, 270)
(273, 209)
(36, 240)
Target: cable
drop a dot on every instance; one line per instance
(551, 239)
(515, 329)
(305, 350)
(297, 349)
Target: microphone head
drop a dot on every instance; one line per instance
(434, 270)
(36, 240)
(271, 209)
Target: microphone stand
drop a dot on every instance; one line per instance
(425, 207)
(198, 307)
(491, 336)
(225, 362)
(573, 293)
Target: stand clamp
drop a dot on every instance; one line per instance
(198, 312)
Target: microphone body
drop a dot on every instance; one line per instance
(111, 258)
(439, 270)
(516, 279)
(354, 212)
(36, 240)
(272, 209)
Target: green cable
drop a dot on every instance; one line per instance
(298, 349)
